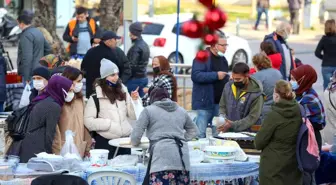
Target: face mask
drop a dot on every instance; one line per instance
(286, 36)
(69, 97)
(156, 70)
(219, 53)
(111, 84)
(38, 84)
(78, 87)
(295, 85)
(239, 85)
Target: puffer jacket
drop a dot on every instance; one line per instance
(112, 119)
(138, 56)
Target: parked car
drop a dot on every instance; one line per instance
(160, 34)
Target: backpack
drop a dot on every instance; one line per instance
(307, 161)
(96, 101)
(17, 123)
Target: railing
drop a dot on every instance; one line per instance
(183, 76)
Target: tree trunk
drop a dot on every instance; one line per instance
(45, 17)
(109, 14)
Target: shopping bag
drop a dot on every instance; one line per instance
(69, 149)
(138, 107)
(25, 96)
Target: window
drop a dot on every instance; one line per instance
(152, 28)
(175, 31)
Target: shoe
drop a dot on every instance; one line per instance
(255, 28)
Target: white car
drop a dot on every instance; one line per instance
(160, 34)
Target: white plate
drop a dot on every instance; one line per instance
(120, 142)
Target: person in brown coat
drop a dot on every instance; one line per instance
(72, 116)
(262, 7)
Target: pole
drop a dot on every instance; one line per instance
(151, 8)
(177, 33)
(130, 15)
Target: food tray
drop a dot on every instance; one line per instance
(244, 142)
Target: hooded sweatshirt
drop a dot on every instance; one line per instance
(165, 119)
(277, 140)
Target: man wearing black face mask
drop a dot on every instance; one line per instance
(241, 102)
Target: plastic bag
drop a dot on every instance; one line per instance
(138, 107)
(25, 96)
(69, 149)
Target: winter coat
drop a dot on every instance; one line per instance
(112, 121)
(91, 64)
(277, 140)
(276, 60)
(43, 119)
(138, 56)
(32, 47)
(294, 4)
(165, 119)
(325, 51)
(278, 43)
(268, 78)
(72, 118)
(330, 110)
(3, 72)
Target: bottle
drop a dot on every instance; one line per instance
(208, 132)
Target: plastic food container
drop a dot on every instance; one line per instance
(99, 157)
(194, 145)
(220, 151)
(196, 156)
(219, 160)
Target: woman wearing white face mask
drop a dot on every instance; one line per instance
(41, 75)
(72, 115)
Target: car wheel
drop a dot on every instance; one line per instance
(239, 56)
(172, 59)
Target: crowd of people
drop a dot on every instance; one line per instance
(265, 99)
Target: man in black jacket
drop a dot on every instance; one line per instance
(106, 49)
(138, 55)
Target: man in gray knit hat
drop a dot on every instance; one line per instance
(138, 56)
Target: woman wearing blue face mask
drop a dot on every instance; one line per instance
(302, 80)
(115, 108)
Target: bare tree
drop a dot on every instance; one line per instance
(110, 14)
(45, 19)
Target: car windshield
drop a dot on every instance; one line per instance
(152, 28)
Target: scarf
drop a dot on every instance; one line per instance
(55, 89)
(305, 76)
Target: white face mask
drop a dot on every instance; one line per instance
(38, 84)
(69, 97)
(78, 87)
(219, 53)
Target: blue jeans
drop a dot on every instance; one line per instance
(327, 73)
(204, 117)
(260, 12)
(133, 83)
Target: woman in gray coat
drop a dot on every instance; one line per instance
(169, 127)
(268, 77)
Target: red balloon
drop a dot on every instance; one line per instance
(192, 29)
(206, 3)
(202, 55)
(215, 18)
(210, 39)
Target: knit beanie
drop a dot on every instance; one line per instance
(42, 71)
(158, 94)
(136, 29)
(107, 68)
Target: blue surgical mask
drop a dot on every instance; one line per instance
(295, 85)
(219, 53)
(111, 84)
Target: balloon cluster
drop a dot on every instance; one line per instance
(214, 19)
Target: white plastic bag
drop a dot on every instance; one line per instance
(69, 149)
(138, 107)
(25, 96)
